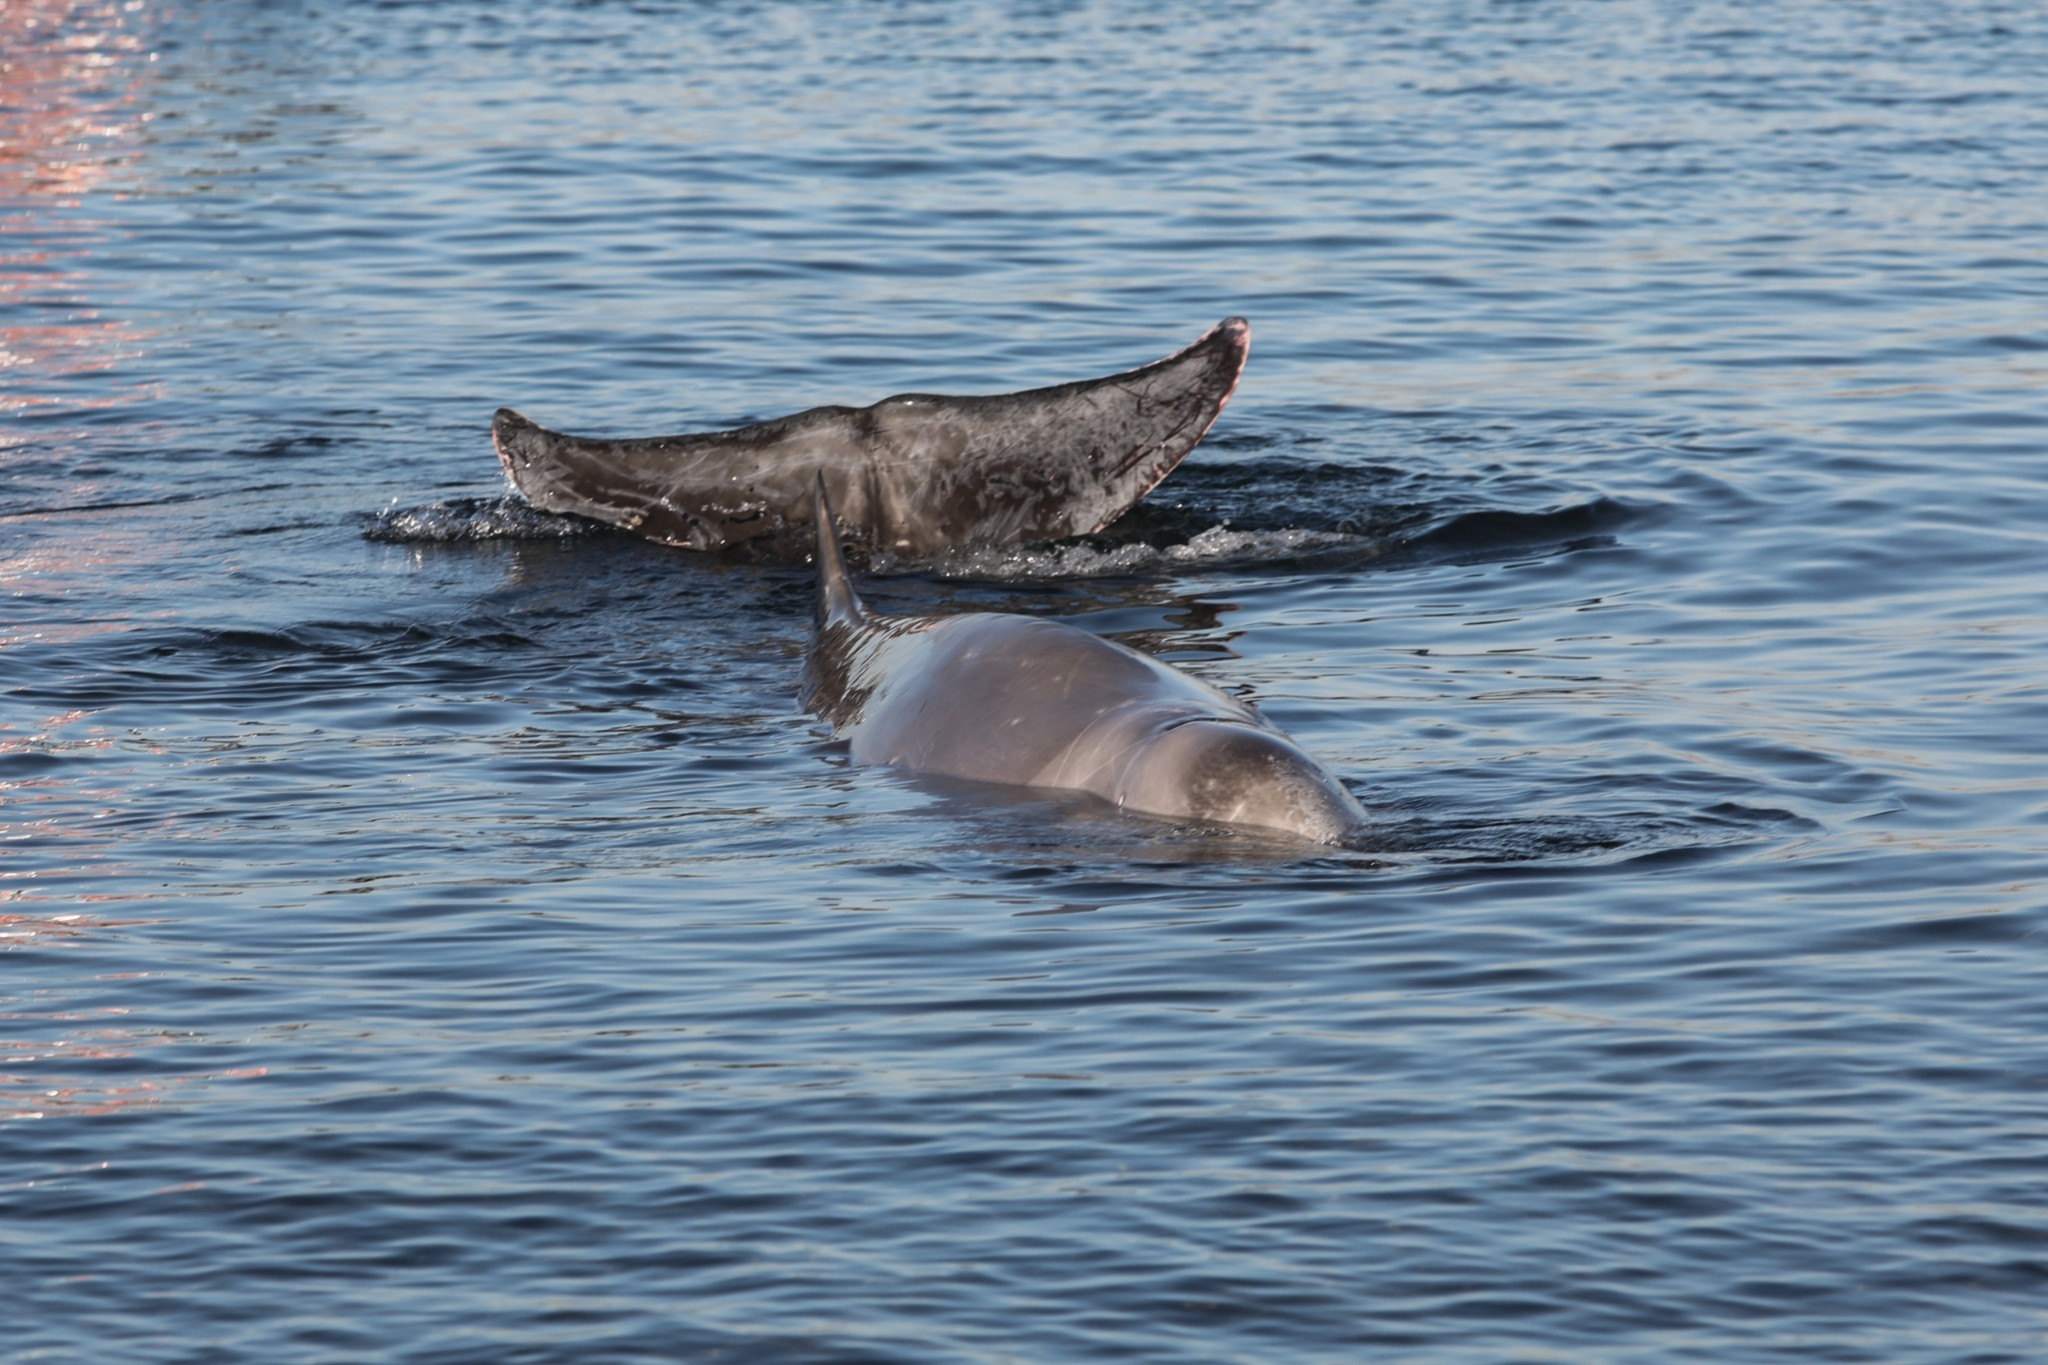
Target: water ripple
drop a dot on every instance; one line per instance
(433, 932)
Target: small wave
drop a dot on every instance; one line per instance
(466, 519)
(1488, 532)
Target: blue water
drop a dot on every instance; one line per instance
(432, 933)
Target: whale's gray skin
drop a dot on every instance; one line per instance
(915, 474)
(1031, 702)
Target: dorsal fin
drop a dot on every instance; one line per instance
(837, 602)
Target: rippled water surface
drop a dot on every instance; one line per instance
(430, 931)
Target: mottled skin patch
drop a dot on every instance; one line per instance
(1030, 702)
(915, 474)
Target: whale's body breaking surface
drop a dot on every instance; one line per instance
(915, 474)
(1024, 701)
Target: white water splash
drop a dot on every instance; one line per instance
(1219, 545)
(466, 519)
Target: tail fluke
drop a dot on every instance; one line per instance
(837, 602)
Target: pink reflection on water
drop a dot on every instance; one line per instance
(59, 583)
(57, 833)
(25, 1097)
(26, 930)
(74, 74)
(48, 1056)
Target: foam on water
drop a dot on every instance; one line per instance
(1219, 547)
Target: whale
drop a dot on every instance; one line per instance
(1034, 702)
(914, 475)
